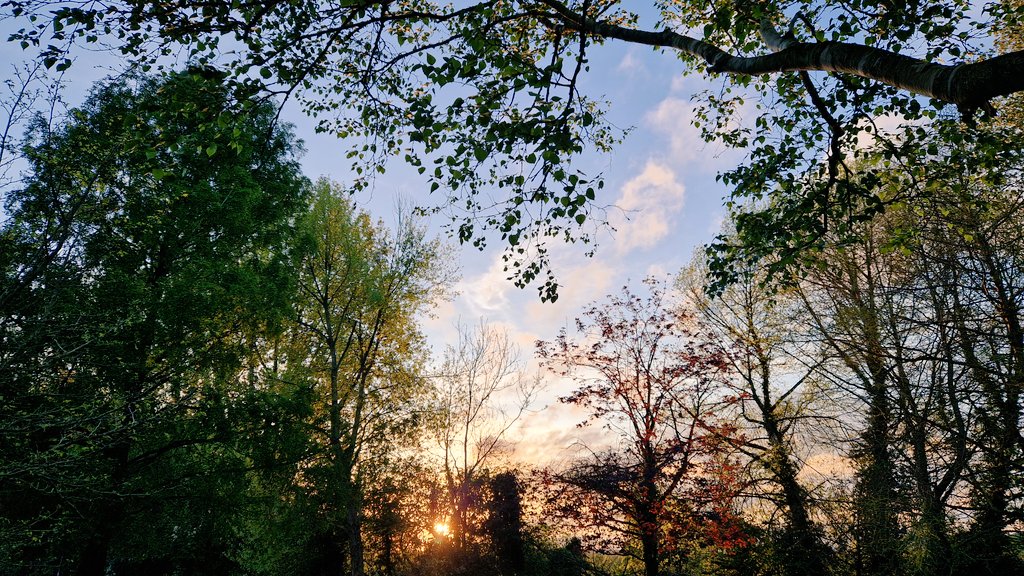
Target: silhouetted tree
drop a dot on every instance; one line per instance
(504, 523)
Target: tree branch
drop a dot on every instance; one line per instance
(968, 86)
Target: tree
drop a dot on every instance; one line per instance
(894, 309)
(774, 370)
(482, 391)
(504, 523)
(356, 336)
(965, 256)
(471, 95)
(857, 330)
(652, 376)
(141, 260)
(1009, 37)
(403, 505)
(27, 92)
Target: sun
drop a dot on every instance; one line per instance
(441, 529)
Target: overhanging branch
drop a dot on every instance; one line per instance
(968, 86)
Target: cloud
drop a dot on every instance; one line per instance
(673, 117)
(487, 294)
(441, 323)
(551, 436)
(490, 296)
(588, 281)
(648, 203)
(630, 64)
(885, 126)
(657, 271)
(716, 223)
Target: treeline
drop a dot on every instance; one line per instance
(212, 365)
(879, 384)
(209, 363)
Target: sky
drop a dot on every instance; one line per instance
(661, 177)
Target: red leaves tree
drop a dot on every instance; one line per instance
(650, 374)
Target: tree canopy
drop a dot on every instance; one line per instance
(652, 375)
(143, 266)
(486, 95)
(211, 366)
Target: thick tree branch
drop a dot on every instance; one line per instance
(968, 86)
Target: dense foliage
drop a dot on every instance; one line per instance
(212, 366)
(486, 95)
(143, 267)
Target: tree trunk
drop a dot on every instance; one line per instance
(647, 516)
(105, 519)
(1001, 386)
(807, 556)
(93, 560)
(649, 543)
(875, 490)
(355, 539)
(931, 531)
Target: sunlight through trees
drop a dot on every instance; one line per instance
(212, 365)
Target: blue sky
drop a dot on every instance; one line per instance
(662, 177)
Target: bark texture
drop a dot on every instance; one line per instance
(968, 86)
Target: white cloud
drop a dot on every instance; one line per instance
(486, 294)
(551, 436)
(657, 271)
(630, 64)
(716, 223)
(648, 203)
(587, 281)
(489, 295)
(440, 323)
(679, 85)
(673, 117)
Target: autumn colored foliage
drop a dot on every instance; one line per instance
(651, 374)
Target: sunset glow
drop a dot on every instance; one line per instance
(441, 529)
(610, 288)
